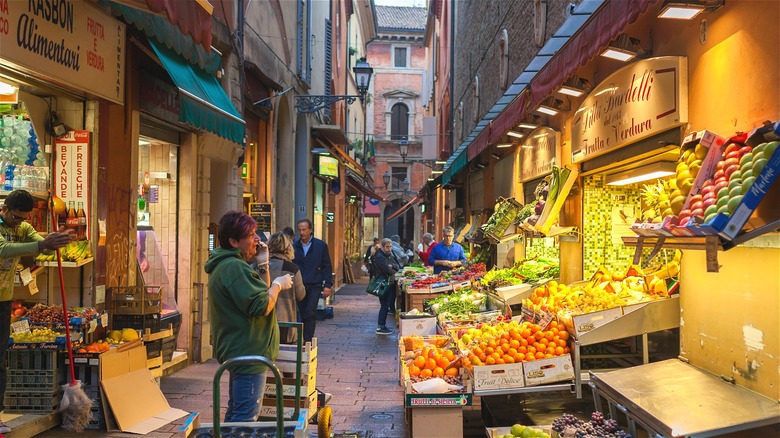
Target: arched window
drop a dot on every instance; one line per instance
(399, 122)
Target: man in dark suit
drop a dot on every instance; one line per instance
(313, 259)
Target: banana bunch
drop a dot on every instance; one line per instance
(74, 252)
(656, 200)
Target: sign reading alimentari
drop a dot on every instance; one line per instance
(69, 42)
(636, 102)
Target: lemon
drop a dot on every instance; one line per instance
(129, 335)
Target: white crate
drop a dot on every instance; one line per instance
(268, 406)
(506, 376)
(553, 369)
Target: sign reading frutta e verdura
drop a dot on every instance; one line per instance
(640, 100)
(538, 152)
(67, 41)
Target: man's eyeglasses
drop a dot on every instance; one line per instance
(18, 218)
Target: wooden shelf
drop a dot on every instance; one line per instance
(76, 264)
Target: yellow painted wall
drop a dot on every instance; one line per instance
(730, 320)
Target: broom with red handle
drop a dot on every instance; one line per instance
(75, 406)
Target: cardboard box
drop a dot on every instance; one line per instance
(553, 369)
(308, 385)
(515, 294)
(307, 402)
(506, 376)
(421, 325)
(435, 422)
(126, 380)
(580, 324)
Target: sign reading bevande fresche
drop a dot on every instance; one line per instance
(66, 41)
(640, 100)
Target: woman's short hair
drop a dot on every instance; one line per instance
(280, 243)
(234, 224)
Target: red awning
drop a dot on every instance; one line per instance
(402, 209)
(603, 25)
(193, 18)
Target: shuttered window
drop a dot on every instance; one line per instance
(399, 122)
(328, 63)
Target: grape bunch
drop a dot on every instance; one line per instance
(566, 421)
(41, 313)
(598, 427)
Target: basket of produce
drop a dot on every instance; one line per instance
(503, 216)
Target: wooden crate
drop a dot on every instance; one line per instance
(136, 300)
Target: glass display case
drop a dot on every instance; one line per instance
(153, 266)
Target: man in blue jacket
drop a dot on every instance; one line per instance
(313, 259)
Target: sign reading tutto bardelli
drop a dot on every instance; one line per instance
(636, 102)
(66, 41)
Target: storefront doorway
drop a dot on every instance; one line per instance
(157, 213)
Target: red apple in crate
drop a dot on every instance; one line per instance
(745, 150)
(720, 173)
(697, 212)
(732, 147)
(734, 154)
(696, 206)
(710, 200)
(731, 169)
(684, 221)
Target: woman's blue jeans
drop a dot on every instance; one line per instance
(385, 302)
(245, 393)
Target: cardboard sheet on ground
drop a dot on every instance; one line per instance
(137, 402)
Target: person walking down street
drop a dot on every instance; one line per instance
(367, 258)
(313, 259)
(280, 263)
(447, 254)
(18, 238)
(424, 248)
(385, 267)
(243, 319)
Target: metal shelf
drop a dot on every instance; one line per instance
(675, 399)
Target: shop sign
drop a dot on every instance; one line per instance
(68, 41)
(636, 102)
(538, 153)
(159, 98)
(438, 400)
(330, 217)
(71, 170)
(261, 212)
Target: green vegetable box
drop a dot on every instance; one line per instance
(520, 431)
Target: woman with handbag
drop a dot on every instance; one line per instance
(385, 266)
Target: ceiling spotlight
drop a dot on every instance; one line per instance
(436, 172)
(551, 106)
(440, 162)
(515, 134)
(623, 48)
(504, 145)
(575, 86)
(645, 173)
(686, 10)
(479, 166)
(496, 156)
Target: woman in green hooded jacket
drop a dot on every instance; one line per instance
(243, 320)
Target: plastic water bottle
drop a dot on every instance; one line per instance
(8, 185)
(17, 183)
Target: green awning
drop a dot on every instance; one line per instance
(203, 103)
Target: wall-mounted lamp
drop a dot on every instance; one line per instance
(266, 103)
(575, 86)
(436, 172)
(320, 151)
(504, 145)
(496, 156)
(479, 166)
(623, 48)
(311, 103)
(403, 148)
(644, 173)
(551, 106)
(439, 162)
(514, 134)
(386, 179)
(686, 10)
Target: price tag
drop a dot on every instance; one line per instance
(540, 318)
(33, 286)
(104, 320)
(22, 326)
(26, 276)
(92, 326)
